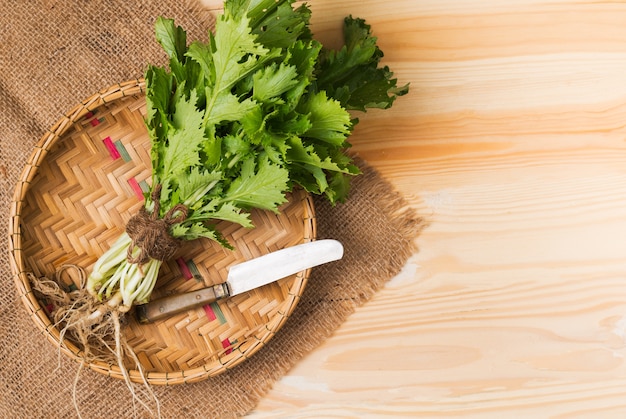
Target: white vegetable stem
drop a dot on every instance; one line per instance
(112, 274)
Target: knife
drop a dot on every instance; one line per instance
(246, 276)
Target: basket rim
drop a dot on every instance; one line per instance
(37, 313)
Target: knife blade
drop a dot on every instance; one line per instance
(246, 276)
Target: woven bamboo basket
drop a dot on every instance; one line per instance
(84, 180)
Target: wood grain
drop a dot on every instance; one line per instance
(511, 145)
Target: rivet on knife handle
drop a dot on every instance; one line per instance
(158, 309)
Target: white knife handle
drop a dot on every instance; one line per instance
(164, 307)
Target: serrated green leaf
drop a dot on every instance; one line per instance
(339, 187)
(230, 212)
(166, 191)
(179, 230)
(276, 22)
(253, 124)
(330, 122)
(172, 38)
(313, 155)
(259, 187)
(320, 169)
(302, 55)
(235, 145)
(185, 139)
(236, 51)
(158, 93)
(198, 230)
(227, 107)
(352, 74)
(291, 123)
(193, 186)
(276, 151)
(202, 53)
(273, 81)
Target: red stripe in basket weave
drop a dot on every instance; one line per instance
(113, 151)
(135, 187)
(227, 345)
(95, 121)
(184, 269)
(209, 312)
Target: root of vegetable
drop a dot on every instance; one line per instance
(96, 328)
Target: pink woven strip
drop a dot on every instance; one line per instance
(95, 121)
(227, 345)
(135, 187)
(108, 143)
(209, 312)
(184, 269)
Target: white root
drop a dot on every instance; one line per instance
(96, 328)
(119, 350)
(75, 389)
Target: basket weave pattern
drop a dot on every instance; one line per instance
(85, 179)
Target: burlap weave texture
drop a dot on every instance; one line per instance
(52, 56)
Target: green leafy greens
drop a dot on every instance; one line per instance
(238, 121)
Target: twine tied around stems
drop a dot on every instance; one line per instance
(151, 234)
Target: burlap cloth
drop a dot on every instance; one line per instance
(54, 55)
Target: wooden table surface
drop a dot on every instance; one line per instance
(511, 144)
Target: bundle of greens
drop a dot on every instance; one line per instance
(235, 123)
